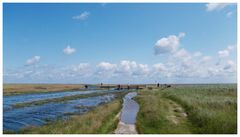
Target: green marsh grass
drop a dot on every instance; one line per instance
(158, 115)
(210, 109)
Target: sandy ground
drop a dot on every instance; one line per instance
(123, 128)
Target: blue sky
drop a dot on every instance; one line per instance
(119, 43)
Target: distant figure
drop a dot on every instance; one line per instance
(128, 87)
(158, 85)
(118, 87)
(86, 86)
(101, 84)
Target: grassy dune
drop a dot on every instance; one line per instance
(15, 89)
(100, 120)
(210, 109)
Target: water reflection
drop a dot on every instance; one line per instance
(130, 109)
(15, 119)
(10, 100)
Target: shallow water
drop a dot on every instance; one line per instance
(15, 119)
(8, 101)
(130, 109)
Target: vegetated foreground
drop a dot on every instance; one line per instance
(192, 109)
(15, 89)
(100, 120)
(204, 109)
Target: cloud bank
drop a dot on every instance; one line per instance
(180, 67)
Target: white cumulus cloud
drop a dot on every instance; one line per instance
(124, 68)
(223, 53)
(168, 44)
(160, 67)
(68, 50)
(197, 54)
(106, 66)
(226, 52)
(127, 66)
(79, 70)
(216, 6)
(33, 60)
(141, 70)
(181, 35)
(182, 53)
(230, 47)
(230, 65)
(206, 59)
(82, 16)
(229, 14)
(105, 70)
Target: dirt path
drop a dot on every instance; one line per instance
(177, 115)
(125, 128)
